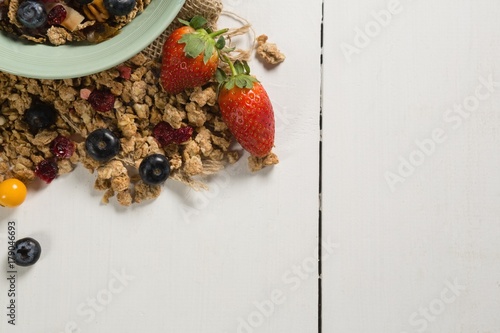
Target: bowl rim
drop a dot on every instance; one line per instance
(25, 58)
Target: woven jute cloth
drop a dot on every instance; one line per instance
(209, 9)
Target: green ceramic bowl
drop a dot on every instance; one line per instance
(70, 61)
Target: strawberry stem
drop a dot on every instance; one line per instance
(240, 75)
(230, 63)
(218, 33)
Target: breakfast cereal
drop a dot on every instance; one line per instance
(66, 21)
(140, 104)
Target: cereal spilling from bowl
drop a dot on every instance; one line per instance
(125, 126)
(58, 22)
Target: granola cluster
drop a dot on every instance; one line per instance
(84, 23)
(269, 52)
(140, 104)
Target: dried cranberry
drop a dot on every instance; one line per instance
(183, 134)
(56, 15)
(166, 134)
(62, 147)
(47, 170)
(125, 72)
(163, 133)
(102, 100)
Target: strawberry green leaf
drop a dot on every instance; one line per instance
(201, 41)
(221, 43)
(184, 21)
(239, 75)
(241, 81)
(228, 49)
(197, 22)
(229, 85)
(220, 76)
(240, 69)
(195, 45)
(245, 81)
(209, 51)
(247, 67)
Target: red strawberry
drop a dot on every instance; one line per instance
(190, 56)
(247, 110)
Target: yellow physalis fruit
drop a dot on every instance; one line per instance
(12, 192)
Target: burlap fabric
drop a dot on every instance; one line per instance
(209, 9)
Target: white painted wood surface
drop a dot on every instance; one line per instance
(239, 258)
(418, 253)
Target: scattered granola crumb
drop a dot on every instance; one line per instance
(258, 163)
(145, 192)
(125, 198)
(269, 52)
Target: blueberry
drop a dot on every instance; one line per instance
(102, 145)
(26, 251)
(31, 14)
(119, 7)
(154, 169)
(40, 116)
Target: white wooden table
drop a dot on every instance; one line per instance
(412, 166)
(220, 261)
(410, 195)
